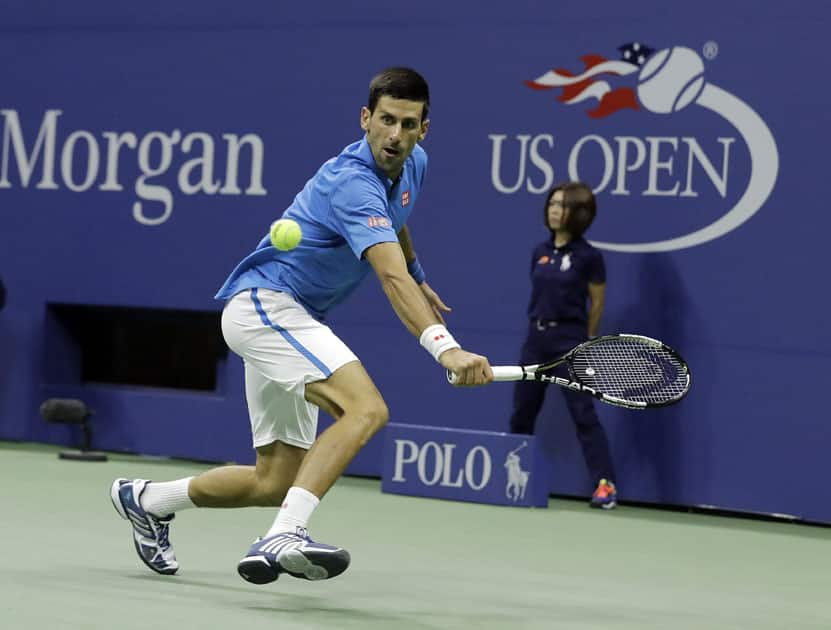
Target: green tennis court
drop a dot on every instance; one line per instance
(68, 562)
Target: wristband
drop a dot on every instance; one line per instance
(436, 339)
(414, 267)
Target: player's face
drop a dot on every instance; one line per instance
(556, 211)
(392, 131)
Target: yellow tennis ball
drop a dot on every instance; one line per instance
(285, 234)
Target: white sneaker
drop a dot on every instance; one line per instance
(292, 553)
(150, 533)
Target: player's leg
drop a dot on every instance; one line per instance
(264, 484)
(350, 397)
(280, 449)
(151, 506)
(286, 351)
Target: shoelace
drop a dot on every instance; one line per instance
(163, 532)
(300, 532)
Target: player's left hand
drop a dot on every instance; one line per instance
(434, 301)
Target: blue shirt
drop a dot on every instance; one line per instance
(560, 280)
(349, 205)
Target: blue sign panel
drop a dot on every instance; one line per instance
(477, 466)
(144, 153)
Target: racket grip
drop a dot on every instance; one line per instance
(501, 373)
(508, 373)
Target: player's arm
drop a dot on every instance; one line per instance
(414, 267)
(597, 295)
(406, 242)
(414, 311)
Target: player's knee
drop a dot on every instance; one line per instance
(378, 414)
(372, 415)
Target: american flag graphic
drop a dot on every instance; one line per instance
(577, 88)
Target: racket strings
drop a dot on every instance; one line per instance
(631, 369)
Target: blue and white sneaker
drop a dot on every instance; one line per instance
(292, 553)
(150, 533)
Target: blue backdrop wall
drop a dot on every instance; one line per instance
(147, 147)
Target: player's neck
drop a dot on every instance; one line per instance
(394, 176)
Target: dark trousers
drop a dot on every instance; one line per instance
(546, 345)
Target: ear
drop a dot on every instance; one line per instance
(424, 127)
(365, 116)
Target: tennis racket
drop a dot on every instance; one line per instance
(629, 371)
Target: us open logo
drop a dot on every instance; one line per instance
(667, 82)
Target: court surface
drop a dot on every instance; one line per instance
(67, 561)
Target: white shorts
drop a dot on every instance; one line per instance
(283, 348)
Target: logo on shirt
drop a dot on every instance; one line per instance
(405, 197)
(543, 260)
(382, 222)
(565, 263)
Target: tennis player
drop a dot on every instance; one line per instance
(353, 214)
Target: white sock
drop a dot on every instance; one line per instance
(161, 499)
(295, 512)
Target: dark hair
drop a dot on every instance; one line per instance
(578, 201)
(399, 82)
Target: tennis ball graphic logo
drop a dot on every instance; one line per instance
(670, 80)
(285, 234)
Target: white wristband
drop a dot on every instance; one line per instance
(436, 339)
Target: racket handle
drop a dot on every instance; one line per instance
(501, 373)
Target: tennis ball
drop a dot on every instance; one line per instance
(285, 234)
(670, 80)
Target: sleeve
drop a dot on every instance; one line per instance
(421, 164)
(597, 268)
(359, 212)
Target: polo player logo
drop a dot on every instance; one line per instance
(565, 263)
(517, 478)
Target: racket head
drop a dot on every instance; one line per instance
(632, 371)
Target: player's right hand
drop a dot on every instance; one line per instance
(470, 369)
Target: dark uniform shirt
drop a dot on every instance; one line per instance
(560, 280)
